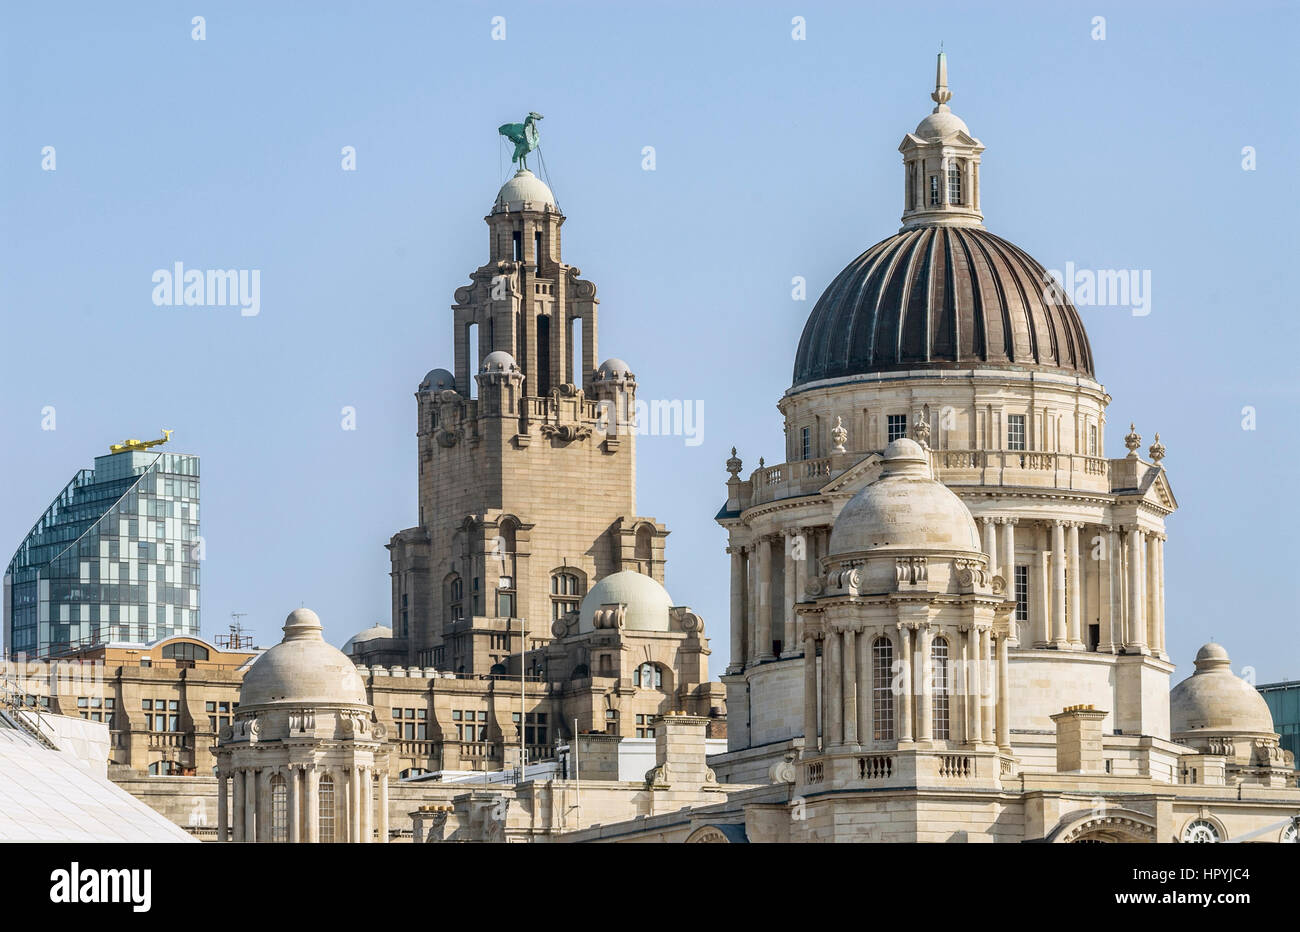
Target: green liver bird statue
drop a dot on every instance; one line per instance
(524, 135)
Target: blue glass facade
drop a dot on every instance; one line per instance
(115, 557)
(1284, 702)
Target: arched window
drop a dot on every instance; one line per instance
(939, 677)
(566, 591)
(455, 598)
(954, 183)
(882, 689)
(279, 809)
(326, 809)
(648, 676)
(184, 650)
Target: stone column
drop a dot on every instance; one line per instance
(737, 662)
(791, 594)
(986, 686)
(311, 774)
(1003, 699)
(991, 544)
(354, 804)
(973, 692)
(222, 813)
(924, 693)
(850, 686)
(905, 694)
(367, 806)
(237, 817)
(250, 805)
(295, 806)
(801, 579)
(265, 820)
(751, 604)
(1007, 566)
(383, 807)
(833, 671)
(1059, 638)
(764, 599)
(1075, 587)
(864, 687)
(1041, 595)
(1160, 593)
(1151, 589)
(1137, 622)
(1108, 638)
(341, 804)
(809, 694)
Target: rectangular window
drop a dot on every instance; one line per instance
(1015, 432)
(897, 425)
(954, 183)
(1092, 439)
(805, 444)
(643, 727)
(1022, 593)
(934, 190)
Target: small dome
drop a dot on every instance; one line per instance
(614, 368)
(904, 509)
(1216, 700)
(438, 380)
(498, 361)
(369, 634)
(941, 124)
(524, 187)
(302, 670)
(646, 601)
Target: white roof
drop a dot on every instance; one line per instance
(46, 795)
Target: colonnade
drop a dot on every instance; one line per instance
(880, 684)
(1079, 574)
(282, 803)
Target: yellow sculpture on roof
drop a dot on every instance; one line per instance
(135, 446)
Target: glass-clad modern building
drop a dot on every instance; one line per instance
(1284, 702)
(114, 558)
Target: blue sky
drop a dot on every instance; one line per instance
(775, 158)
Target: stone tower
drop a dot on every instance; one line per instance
(527, 469)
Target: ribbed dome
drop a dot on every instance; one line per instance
(940, 297)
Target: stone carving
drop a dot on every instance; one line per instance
(921, 433)
(1156, 450)
(734, 465)
(1132, 440)
(567, 433)
(558, 628)
(609, 617)
(783, 771)
(912, 570)
(839, 435)
(814, 587)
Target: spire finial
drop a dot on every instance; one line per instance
(941, 94)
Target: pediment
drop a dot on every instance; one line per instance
(861, 473)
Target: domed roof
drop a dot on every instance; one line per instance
(647, 602)
(524, 187)
(369, 634)
(302, 670)
(1216, 700)
(904, 509)
(941, 124)
(613, 368)
(437, 380)
(498, 361)
(941, 297)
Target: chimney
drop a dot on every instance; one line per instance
(1078, 739)
(680, 752)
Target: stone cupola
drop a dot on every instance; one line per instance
(941, 166)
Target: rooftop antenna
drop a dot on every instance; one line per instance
(236, 639)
